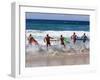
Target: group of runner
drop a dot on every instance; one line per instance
(48, 38)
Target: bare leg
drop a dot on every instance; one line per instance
(74, 41)
(47, 47)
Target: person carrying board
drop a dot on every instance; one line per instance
(47, 40)
(84, 38)
(31, 40)
(74, 37)
(62, 41)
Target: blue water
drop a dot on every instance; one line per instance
(57, 25)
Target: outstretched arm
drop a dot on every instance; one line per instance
(51, 37)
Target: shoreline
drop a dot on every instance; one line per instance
(57, 60)
(56, 55)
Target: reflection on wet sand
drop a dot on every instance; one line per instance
(56, 59)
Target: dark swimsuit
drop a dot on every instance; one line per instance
(74, 38)
(48, 40)
(84, 39)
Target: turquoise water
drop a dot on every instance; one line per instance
(57, 25)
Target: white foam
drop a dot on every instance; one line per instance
(56, 33)
(39, 36)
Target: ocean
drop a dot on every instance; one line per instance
(56, 54)
(40, 28)
(57, 25)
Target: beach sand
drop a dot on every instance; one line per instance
(57, 58)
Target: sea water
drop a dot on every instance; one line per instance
(57, 25)
(40, 28)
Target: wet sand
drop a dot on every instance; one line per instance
(57, 59)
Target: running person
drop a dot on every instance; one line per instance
(31, 40)
(62, 40)
(74, 37)
(47, 39)
(84, 38)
